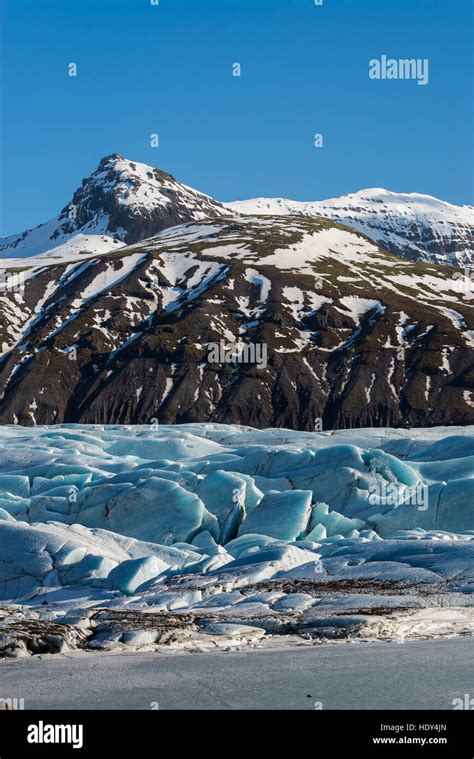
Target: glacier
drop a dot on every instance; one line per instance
(204, 535)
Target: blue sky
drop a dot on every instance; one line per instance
(167, 69)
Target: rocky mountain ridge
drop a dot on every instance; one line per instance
(124, 201)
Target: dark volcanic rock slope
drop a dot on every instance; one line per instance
(354, 335)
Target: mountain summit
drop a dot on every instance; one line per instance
(124, 202)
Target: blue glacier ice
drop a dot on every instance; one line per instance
(230, 518)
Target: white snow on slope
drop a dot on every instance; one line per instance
(111, 276)
(459, 323)
(47, 246)
(344, 245)
(261, 281)
(358, 307)
(302, 303)
(386, 217)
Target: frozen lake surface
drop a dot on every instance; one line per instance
(413, 675)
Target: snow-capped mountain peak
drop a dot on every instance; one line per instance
(120, 203)
(139, 186)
